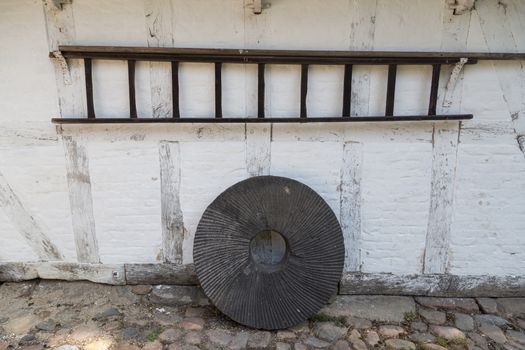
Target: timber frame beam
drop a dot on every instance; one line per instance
(262, 58)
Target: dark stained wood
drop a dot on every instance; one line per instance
(262, 57)
(391, 90)
(304, 89)
(347, 90)
(260, 120)
(57, 270)
(436, 285)
(161, 274)
(89, 88)
(218, 90)
(434, 85)
(175, 88)
(260, 90)
(131, 85)
(158, 52)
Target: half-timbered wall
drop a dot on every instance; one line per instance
(418, 202)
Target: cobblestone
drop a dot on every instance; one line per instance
(97, 317)
(488, 305)
(493, 332)
(259, 340)
(492, 320)
(464, 322)
(329, 331)
(518, 337)
(463, 304)
(372, 338)
(449, 333)
(479, 340)
(432, 316)
(422, 337)
(399, 344)
(389, 331)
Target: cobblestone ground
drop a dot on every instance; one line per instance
(82, 315)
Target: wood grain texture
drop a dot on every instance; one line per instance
(159, 33)
(99, 273)
(172, 220)
(115, 274)
(350, 216)
(26, 224)
(362, 33)
(445, 140)
(80, 199)
(504, 29)
(161, 274)
(438, 285)
(60, 27)
(455, 32)
(444, 161)
(258, 149)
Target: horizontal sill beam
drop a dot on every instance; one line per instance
(261, 120)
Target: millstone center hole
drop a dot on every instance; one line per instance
(268, 249)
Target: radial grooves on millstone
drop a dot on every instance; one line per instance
(304, 281)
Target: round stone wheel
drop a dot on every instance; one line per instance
(269, 252)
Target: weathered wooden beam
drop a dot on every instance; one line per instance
(81, 201)
(439, 285)
(161, 274)
(362, 25)
(171, 213)
(159, 33)
(503, 30)
(26, 224)
(258, 149)
(444, 155)
(116, 274)
(60, 29)
(99, 273)
(350, 203)
(445, 142)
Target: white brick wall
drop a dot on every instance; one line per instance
(489, 207)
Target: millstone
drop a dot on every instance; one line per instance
(269, 252)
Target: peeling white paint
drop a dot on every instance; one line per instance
(486, 218)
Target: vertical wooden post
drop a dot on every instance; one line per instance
(260, 90)
(175, 89)
(391, 90)
(218, 90)
(304, 89)
(89, 88)
(131, 84)
(171, 213)
(347, 90)
(434, 85)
